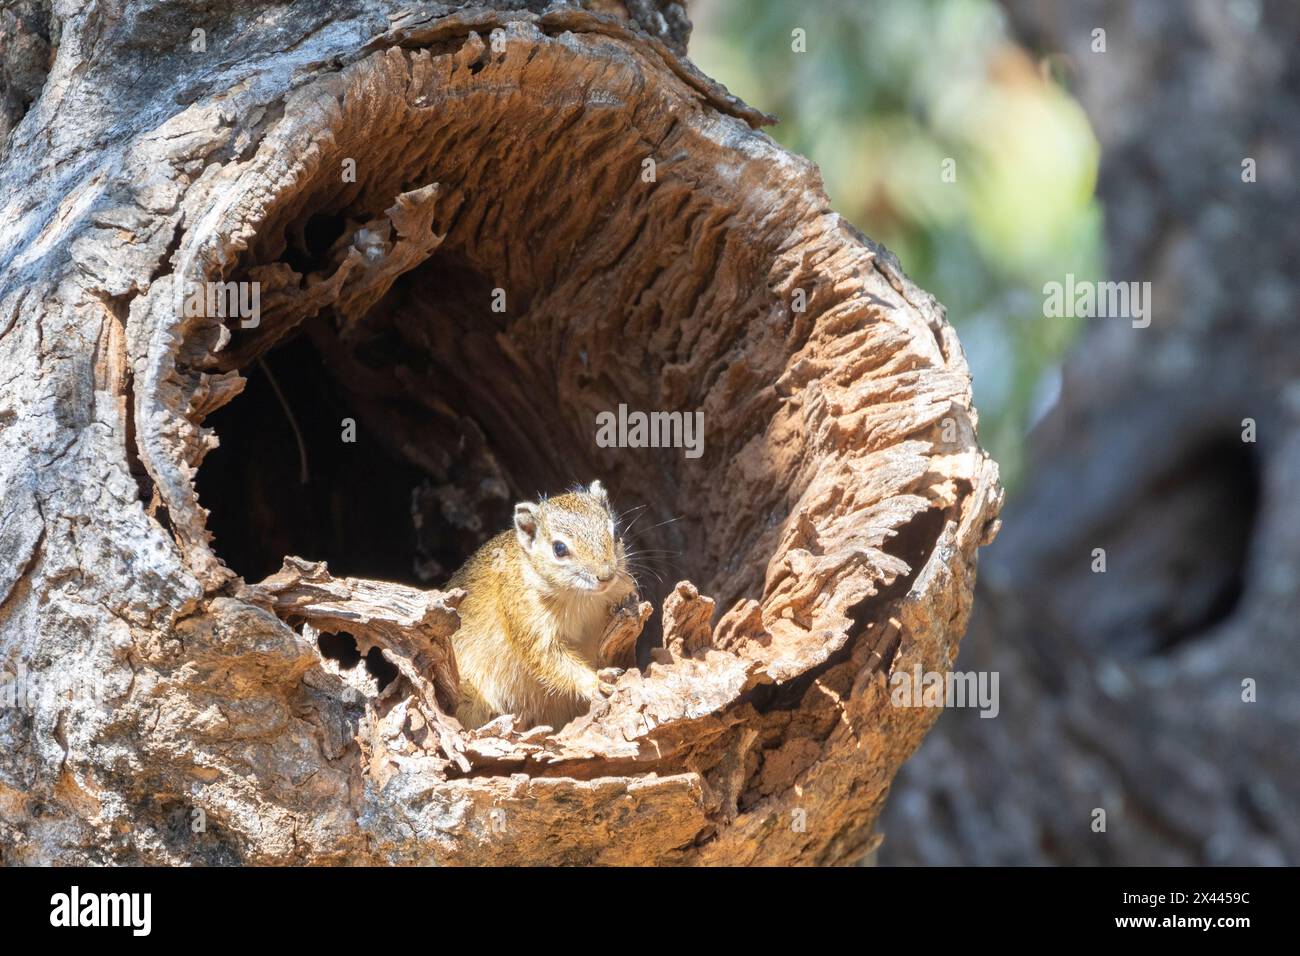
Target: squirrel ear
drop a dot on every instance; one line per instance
(526, 522)
(597, 490)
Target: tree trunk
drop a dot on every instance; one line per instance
(1162, 690)
(468, 232)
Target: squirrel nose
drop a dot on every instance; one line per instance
(605, 573)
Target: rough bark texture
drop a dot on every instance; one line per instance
(1124, 690)
(494, 149)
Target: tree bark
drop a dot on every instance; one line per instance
(1161, 691)
(192, 691)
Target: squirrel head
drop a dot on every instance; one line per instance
(571, 542)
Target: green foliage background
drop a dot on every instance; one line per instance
(885, 94)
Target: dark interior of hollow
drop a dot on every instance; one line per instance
(447, 437)
(354, 510)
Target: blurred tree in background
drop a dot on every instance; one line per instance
(941, 138)
(1124, 689)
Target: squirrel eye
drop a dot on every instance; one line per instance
(560, 548)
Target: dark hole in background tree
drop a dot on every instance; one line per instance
(1153, 598)
(1224, 477)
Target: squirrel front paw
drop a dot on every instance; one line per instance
(606, 677)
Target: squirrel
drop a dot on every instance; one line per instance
(538, 598)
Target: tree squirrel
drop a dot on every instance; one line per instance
(537, 600)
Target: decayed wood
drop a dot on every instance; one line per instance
(494, 149)
(413, 627)
(618, 645)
